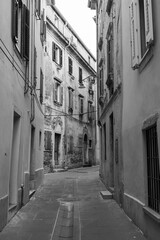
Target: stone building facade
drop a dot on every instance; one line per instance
(130, 141)
(21, 93)
(69, 96)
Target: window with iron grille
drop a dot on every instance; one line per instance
(153, 169)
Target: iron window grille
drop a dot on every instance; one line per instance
(153, 169)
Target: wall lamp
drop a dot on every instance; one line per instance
(91, 79)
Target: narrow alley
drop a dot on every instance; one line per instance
(69, 206)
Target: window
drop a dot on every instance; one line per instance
(153, 168)
(109, 5)
(141, 30)
(41, 86)
(35, 67)
(70, 66)
(81, 105)
(40, 139)
(90, 110)
(70, 93)
(58, 92)
(80, 75)
(38, 9)
(71, 144)
(43, 27)
(48, 140)
(110, 53)
(20, 27)
(56, 54)
(90, 143)
(105, 141)
(101, 87)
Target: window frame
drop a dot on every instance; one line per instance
(70, 66)
(137, 13)
(21, 28)
(57, 54)
(57, 92)
(80, 75)
(70, 100)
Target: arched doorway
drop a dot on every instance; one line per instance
(85, 155)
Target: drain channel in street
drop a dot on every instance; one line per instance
(64, 223)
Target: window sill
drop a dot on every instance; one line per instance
(146, 58)
(152, 214)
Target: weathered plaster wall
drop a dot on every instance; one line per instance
(140, 100)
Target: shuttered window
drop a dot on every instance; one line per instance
(70, 92)
(70, 66)
(38, 9)
(20, 27)
(81, 103)
(43, 27)
(80, 75)
(141, 30)
(41, 86)
(57, 54)
(58, 93)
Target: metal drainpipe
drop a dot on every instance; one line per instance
(32, 43)
(65, 97)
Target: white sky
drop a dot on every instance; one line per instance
(80, 17)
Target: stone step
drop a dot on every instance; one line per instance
(106, 194)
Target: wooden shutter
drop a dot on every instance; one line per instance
(53, 51)
(55, 91)
(25, 32)
(38, 8)
(70, 65)
(80, 75)
(15, 6)
(61, 92)
(81, 105)
(61, 57)
(71, 99)
(134, 33)
(41, 86)
(35, 67)
(148, 22)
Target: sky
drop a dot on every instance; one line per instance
(80, 17)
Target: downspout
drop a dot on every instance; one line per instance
(32, 43)
(65, 99)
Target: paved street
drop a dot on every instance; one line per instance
(69, 206)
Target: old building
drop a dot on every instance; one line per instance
(109, 95)
(128, 42)
(21, 94)
(69, 96)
